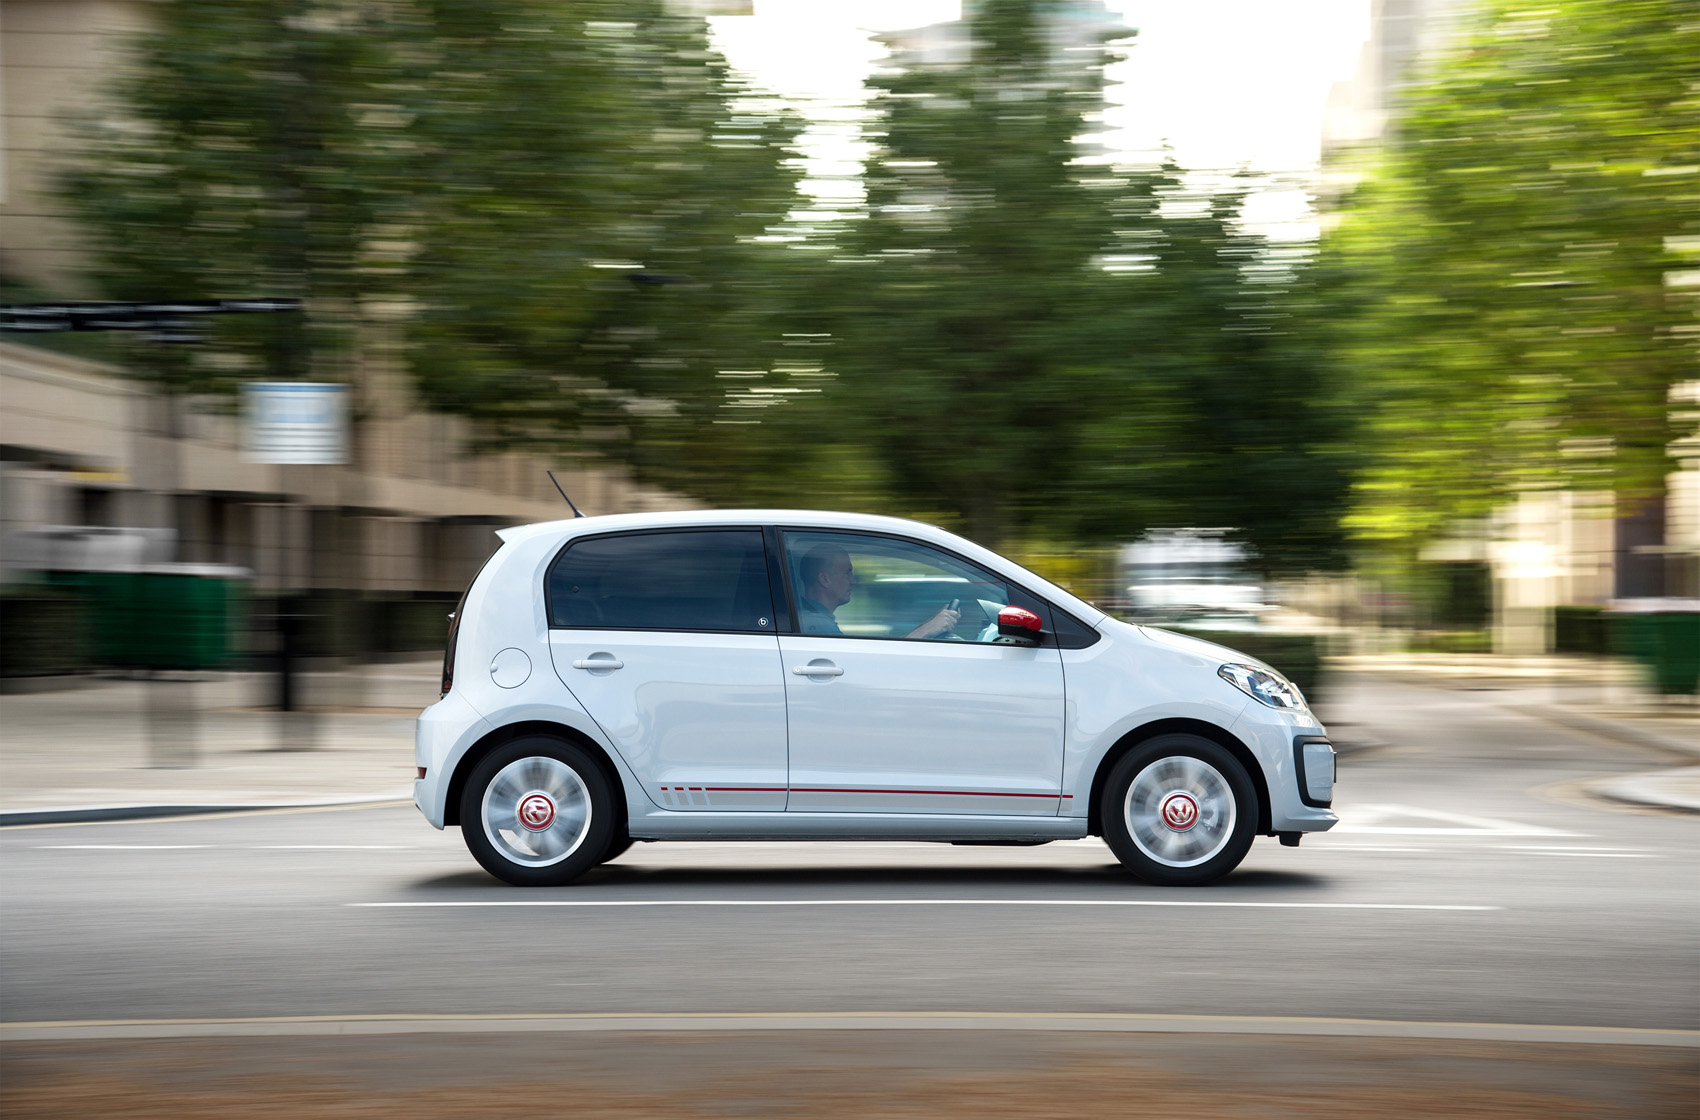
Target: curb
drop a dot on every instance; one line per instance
(1634, 791)
(701, 1022)
(1607, 729)
(94, 814)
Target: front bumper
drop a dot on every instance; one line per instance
(1290, 746)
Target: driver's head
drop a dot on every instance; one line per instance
(827, 575)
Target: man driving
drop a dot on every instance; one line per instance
(827, 579)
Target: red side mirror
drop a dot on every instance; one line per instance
(1021, 625)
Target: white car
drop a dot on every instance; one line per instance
(767, 675)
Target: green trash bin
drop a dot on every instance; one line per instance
(1664, 636)
(169, 616)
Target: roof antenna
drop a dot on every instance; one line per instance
(570, 505)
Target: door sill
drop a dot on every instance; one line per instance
(706, 825)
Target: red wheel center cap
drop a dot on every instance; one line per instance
(1180, 811)
(536, 811)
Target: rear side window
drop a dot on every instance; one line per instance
(707, 580)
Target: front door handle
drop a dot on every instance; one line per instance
(598, 663)
(817, 671)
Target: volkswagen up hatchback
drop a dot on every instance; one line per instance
(765, 675)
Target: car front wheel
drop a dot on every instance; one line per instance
(537, 812)
(1179, 810)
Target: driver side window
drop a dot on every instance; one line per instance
(885, 587)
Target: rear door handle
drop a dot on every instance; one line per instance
(598, 663)
(817, 671)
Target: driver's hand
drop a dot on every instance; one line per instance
(942, 623)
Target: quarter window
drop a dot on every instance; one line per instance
(706, 580)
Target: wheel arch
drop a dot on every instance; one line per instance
(507, 733)
(1216, 734)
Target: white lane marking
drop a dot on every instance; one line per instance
(1594, 855)
(645, 902)
(1563, 848)
(1366, 819)
(121, 847)
(332, 847)
(247, 847)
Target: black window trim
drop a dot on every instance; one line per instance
(760, 530)
(1050, 641)
(779, 578)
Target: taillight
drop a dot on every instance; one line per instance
(454, 629)
(449, 649)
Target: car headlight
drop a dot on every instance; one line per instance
(1264, 686)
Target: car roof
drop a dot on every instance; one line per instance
(801, 518)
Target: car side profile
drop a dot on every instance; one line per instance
(767, 675)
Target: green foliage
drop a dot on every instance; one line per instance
(1452, 641)
(1501, 277)
(578, 226)
(1035, 345)
(1580, 630)
(249, 151)
(1454, 595)
(468, 166)
(587, 259)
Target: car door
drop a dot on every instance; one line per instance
(889, 712)
(669, 640)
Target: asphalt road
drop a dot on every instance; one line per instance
(1464, 885)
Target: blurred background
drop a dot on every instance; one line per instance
(1359, 335)
(1352, 328)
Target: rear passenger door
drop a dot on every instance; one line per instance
(669, 640)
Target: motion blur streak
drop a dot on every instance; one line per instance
(1431, 451)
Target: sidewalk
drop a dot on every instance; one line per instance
(120, 749)
(117, 748)
(1603, 697)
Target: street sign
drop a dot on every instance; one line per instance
(108, 315)
(294, 422)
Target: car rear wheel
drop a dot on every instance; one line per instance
(1179, 810)
(537, 812)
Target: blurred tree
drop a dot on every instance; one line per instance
(1231, 412)
(246, 152)
(588, 259)
(557, 201)
(1507, 280)
(1033, 344)
(582, 224)
(977, 325)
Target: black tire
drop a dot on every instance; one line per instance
(567, 836)
(1193, 813)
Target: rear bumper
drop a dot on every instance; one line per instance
(441, 736)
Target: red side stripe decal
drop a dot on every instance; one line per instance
(811, 789)
(927, 792)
